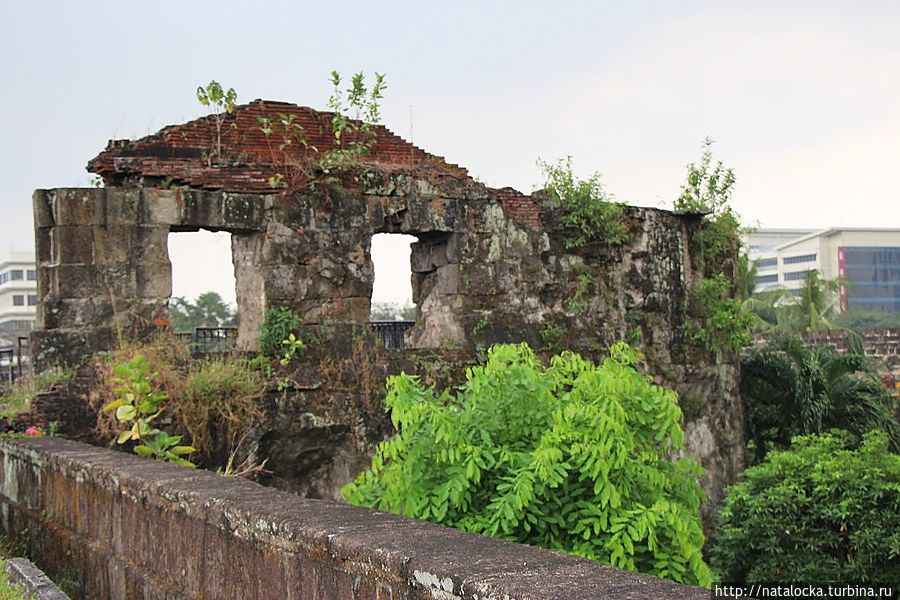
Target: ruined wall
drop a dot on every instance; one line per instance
(489, 266)
(881, 344)
(112, 525)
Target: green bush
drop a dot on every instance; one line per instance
(589, 212)
(573, 457)
(278, 324)
(821, 512)
(727, 324)
(789, 389)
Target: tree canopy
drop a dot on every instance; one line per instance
(208, 310)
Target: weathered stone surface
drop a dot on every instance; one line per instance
(24, 575)
(488, 266)
(116, 526)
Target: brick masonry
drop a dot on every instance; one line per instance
(115, 526)
(488, 266)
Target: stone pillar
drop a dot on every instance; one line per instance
(103, 274)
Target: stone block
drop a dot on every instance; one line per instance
(154, 280)
(121, 206)
(76, 206)
(41, 202)
(446, 280)
(43, 245)
(113, 244)
(72, 245)
(161, 207)
(243, 212)
(76, 312)
(202, 210)
(150, 244)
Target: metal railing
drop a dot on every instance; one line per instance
(15, 361)
(206, 340)
(391, 333)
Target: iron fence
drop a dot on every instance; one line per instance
(391, 333)
(206, 340)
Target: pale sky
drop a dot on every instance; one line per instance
(802, 98)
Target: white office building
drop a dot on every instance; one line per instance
(868, 259)
(18, 294)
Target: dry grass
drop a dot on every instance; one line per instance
(221, 394)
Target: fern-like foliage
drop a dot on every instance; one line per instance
(574, 457)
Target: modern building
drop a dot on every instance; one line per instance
(868, 259)
(18, 294)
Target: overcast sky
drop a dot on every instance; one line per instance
(802, 99)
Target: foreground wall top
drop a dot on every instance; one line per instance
(128, 527)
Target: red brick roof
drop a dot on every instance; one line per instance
(179, 152)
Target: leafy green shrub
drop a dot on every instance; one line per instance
(707, 189)
(588, 210)
(279, 323)
(573, 457)
(137, 403)
(221, 394)
(727, 324)
(821, 512)
(789, 389)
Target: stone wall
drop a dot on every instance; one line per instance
(111, 525)
(880, 344)
(489, 266)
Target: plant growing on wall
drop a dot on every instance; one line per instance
(588, 211)
(136, 403)
(573, 457)
(727, 323)
(719, 254)
(356, 111)
(220, 102)
(278, 324)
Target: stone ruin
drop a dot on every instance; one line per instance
(489, 265)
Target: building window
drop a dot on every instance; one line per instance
(17, 274)
(795, 275)
(767, 263)
(31, 275)
(767, 279)
(18, 300)
(4, 277)
(32, 299)
(793, 260)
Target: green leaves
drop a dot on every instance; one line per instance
(215, 97)
(279, 323)
(589, 212)
(727, 323)
(138, 404)
(355, 111)
(572, 456)
(789, 389)
(824, 511)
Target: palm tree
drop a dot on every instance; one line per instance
(789, 389)
(811, 308)
(819, 301)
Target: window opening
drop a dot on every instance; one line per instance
(203, 303)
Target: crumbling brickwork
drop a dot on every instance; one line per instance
(489, 265)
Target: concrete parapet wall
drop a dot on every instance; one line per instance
(116, 526)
